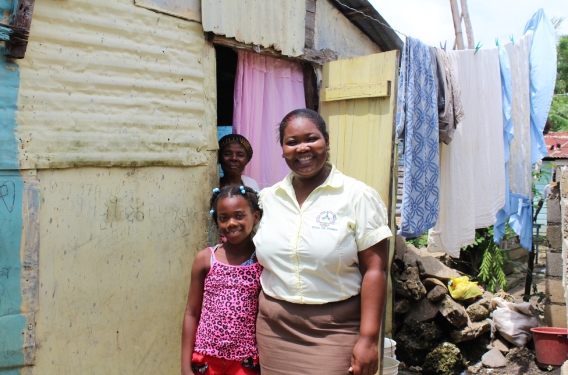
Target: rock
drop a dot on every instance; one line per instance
(416, 289)
(423, 311)
(445, 359)
(437, 293)
(483, 302)
(401, 307)
(401, 289)
(415, 369)
(428, 265)
(400, 247)
(453, 311)
(494, 359)
(412, 287)
(430, 283)
(506, 296)
(488, 296)
(473, 350)
(415, 341)
(477, 312)
(500, 344)
(475, 368)
(472, 331)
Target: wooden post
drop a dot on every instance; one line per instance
(457, 23)
(467, 23)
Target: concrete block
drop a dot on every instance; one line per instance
(553, 212)
(555, 316)
(518, 253)
(555, 291)
(554, 236)
(554, 266)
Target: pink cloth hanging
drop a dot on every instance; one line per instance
(266, 89)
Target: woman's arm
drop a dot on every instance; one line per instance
(373, 264)
(199, 270)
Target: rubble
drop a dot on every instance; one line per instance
(453, 311)
(430, 283)
(500, 344)
(444, 359)
(471, 331)
(494, 359)
(428, 265)
(423, 311)
(401, 307)
(415, 341)
(477, 312)
(437, 293)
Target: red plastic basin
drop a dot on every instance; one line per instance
(551, 345)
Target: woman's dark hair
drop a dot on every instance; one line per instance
(234, 190)
(303, 113)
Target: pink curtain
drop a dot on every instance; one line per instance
(266, 89)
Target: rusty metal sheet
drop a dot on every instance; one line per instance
(107, 83)
(188, 9)
(277, 23)
(117, 245)
(335, 32)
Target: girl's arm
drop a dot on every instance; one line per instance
(373, 264)
(199, 270)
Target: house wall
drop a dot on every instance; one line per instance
(334, 31)
(107, 161)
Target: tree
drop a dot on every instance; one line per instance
(562, 67)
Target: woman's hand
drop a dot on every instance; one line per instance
(365, 357)
(187, 372)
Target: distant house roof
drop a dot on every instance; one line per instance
(557, 145)
(380, 33)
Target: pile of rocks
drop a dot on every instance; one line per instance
(435, 334)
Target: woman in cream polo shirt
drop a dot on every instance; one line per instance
(323, 244)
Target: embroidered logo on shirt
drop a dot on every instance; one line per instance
(326, 218)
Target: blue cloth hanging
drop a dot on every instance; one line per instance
(543, 79)
(508, 135)
(417, 125)
(521, 220)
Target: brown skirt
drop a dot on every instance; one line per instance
(307, 339)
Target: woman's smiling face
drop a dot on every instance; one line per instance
(304, 147)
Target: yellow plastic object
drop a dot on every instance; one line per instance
(461, 288)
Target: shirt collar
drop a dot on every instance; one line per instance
(334, 180)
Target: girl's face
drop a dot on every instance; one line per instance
(233, 159)
(304, 147)
(235, 218)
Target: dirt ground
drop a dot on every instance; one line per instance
(519, 361)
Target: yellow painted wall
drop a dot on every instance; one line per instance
(108, 83)
(116, 252)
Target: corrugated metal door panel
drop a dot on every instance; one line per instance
(276, 23)
(107, 83)
(362, 137)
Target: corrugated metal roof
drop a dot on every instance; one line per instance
(189, 9)
(107, 83)
(277, 23)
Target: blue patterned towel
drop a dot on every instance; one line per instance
(417, 125)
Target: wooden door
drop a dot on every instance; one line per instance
(358, 103)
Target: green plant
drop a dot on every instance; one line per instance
(487, 259)
(535, 293)
(420, 241)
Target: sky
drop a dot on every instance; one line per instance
(431, 20)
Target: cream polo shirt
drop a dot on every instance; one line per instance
(309, 254)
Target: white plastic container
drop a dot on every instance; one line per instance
(390, 366)
(389, 348)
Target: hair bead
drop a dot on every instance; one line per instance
(216, 191)
(242, 188)
(212, 212)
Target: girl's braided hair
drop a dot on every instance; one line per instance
(234, 190)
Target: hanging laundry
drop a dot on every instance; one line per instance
(508, 135)
(543, 78)
(417, 125)
(519, 165)
(472, 171)
(451, 113)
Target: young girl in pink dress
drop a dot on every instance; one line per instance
(218, 334)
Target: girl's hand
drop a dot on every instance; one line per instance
(365, 358)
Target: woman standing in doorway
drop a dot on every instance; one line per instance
(323, 246)
(235, 153)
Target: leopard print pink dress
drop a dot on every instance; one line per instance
(227, 327)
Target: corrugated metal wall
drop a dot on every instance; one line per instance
(334, 31)
(276, 23)
(106, 83)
